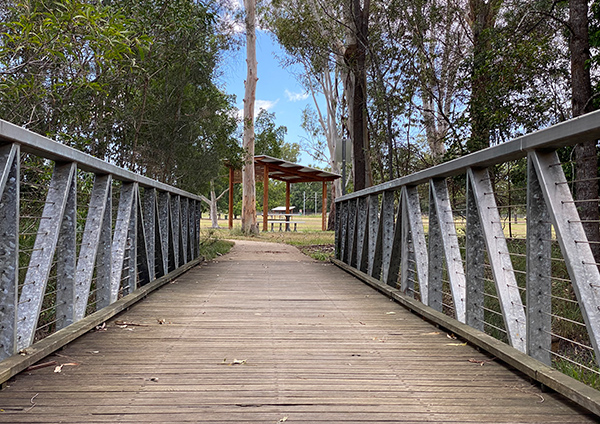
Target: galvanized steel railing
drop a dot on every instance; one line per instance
(467, 260)
(77, 233)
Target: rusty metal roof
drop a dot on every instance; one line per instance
(283, 170)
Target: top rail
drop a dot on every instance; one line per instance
(578, 130)
(39, 145)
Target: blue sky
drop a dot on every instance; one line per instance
(277, 89)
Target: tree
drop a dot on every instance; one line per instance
(355, 56)
(212, 204)
(127, 81)
(586, 156)
(249, 224)
(269, 139)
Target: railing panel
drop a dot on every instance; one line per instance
(59, 258)
(504, 241)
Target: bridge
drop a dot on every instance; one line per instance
(108, 315)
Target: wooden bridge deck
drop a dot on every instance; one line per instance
(267, 335)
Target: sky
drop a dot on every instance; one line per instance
(277, 89)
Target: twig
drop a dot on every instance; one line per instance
(42, 365)
(132, 324)
(32, 402)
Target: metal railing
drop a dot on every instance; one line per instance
(78, 233)
(493, 239)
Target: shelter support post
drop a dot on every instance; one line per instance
(324, 208)
(230, 212)
(287, 204)
(265, 197)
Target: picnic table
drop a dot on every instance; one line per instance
(283, 218)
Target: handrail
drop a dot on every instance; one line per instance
(65, 250)
(39, 145)
(568, 133)
(464, 262)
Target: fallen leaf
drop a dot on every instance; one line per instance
(234, 362)
(451, 336)
(160, 321)
(456, 344)
(481, 363)
(433, 333)
(284, 419)
(58, 368)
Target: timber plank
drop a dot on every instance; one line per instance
(309, 343)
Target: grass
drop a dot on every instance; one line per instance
(309, 238)
(212, 246)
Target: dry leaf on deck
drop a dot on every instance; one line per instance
(456, 344)
(58, 368)
(433, 333)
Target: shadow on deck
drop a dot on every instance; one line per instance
(267, 335)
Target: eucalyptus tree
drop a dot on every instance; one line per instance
(249, 223)
(330, 40)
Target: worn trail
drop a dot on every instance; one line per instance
(267, 335)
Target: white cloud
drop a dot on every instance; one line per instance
(258, 105)
(264, 104)
(295, 97)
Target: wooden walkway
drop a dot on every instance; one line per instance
(266, 335)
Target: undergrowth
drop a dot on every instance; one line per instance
(212, 246)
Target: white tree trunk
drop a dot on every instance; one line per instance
(212, 204)
(249, 224)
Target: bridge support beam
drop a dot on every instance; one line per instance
(539, 270)
(36, 279)
(9, 247)
(499, 258)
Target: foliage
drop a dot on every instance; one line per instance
(128, 81)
